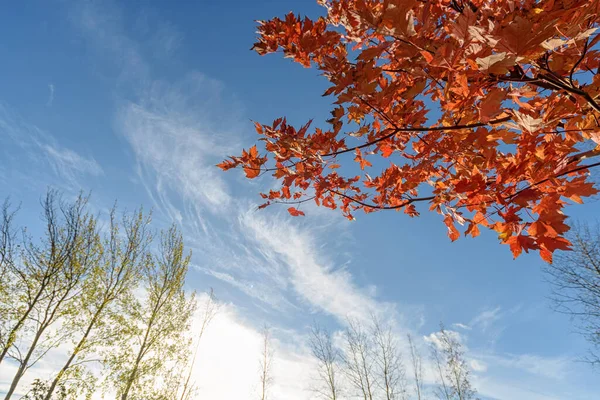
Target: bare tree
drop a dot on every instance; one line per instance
(359, 359)
(388, 361)
(442, 391)
(51, 276)
(575, 277)
(328, 358)
(417, 366)
(453, 372)
(266, 364)
(211, 307)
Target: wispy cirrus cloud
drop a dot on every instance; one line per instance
(178, 131)
(310, 273)
(486, 318)
(462, 326)
(28, 147)
(260, 253)
(68, 163)
(547, 367)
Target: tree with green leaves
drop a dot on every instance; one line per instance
(155, 320)
(49, 280)
(116, 274)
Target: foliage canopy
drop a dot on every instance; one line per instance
(486, 110)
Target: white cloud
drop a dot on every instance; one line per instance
(180, 156)
(263, 292)
(555, 368)
(312, 276)
(435, 338)
(461, 326)
(176, 151)
(501, 389)
(102, 24)
(486, 318)
(227, 366)
(477, 366)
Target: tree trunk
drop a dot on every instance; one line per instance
(137, 361)
(74, 354)
(23, 364)
(133, 373)
(45, 324)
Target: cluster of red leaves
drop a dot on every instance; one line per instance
(513, 85)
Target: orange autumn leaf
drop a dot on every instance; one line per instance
(251, 172)
(518, 243)
(386, 151)
(453, 233)
(361, 160)
(490, 106)
(294, 212)
(472, 230)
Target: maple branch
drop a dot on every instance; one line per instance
(580, 168)
(586, 154)
(546, 81)
(381, 113)
(518, 192)
(508, 198)
(488, 215)
(420, 49)
(420, 129)
(406, 202)
(294, 202)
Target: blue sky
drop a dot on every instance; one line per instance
(137, 101)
